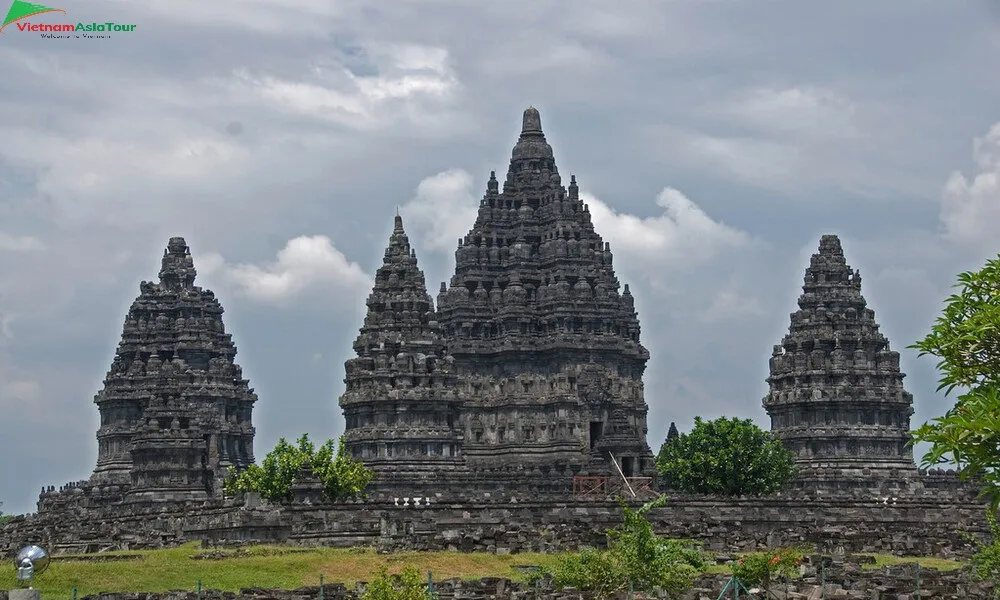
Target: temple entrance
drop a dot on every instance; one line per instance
(596, 429)
(628, 466)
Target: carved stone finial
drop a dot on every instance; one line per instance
(531, 123)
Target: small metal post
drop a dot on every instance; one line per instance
(630, 592)
(74, 592)
(320, 586)
(199, 589)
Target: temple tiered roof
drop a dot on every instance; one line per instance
(175, 349)
(836, 392)
(400, 404)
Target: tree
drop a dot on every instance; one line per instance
(966, 339)
(636, 557)
(341, 475)
(732, 457)
(3, 518)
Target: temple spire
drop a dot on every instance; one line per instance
(531, 123)
(836, 391)
(177, 267)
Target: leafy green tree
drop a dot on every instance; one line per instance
(966, 339)
(635, 557)
(408, 585)
(732, 457)
(341, 475)
(4, 519)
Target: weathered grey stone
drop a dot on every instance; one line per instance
(836, 392)
(175, 410)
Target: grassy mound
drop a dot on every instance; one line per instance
(285, 567)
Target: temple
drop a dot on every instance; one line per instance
(836, 394)
(175, 409)
(401, 403)
(530, 365)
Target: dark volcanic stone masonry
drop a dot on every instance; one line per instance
(837, 397)
(401, 405)
(175, 409)
(477, 415)
(536, 364)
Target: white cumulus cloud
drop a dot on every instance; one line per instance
(443, 209)
(970, 208)
(304, 264)
(682, 234)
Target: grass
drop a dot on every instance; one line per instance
(289, 568)
(263, 566)
(926, 562)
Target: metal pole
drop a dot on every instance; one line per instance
(320, 586)
(199, 589)
(74, 592)
(622, 473)
(630, 596)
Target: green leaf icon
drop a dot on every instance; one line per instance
(22, 10)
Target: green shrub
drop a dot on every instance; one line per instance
(408, 585)
(986, 560)
(635, 557)
(341, 475)
(760, 569)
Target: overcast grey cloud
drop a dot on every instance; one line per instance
(714, 140)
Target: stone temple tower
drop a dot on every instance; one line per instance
(836, 392)
(175, 409)
(401, 404)
(545, 340)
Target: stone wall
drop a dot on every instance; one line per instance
(833, 578)
(929, 524)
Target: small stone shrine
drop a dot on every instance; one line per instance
(836, 392)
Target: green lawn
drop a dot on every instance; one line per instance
(926, 562)
(288, 568)
(264, 566)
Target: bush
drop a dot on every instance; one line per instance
(408, 585)
(731, 457)
(986, 560)
(635, 556)
(341, 475)
(760, 569)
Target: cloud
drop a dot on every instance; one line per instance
(304, 264)
(443, 210)
(410, 83)
(682, 236)
(970, 208)
(445, 207)
(13, 243)
(794, 112)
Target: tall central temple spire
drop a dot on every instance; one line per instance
(539, 327)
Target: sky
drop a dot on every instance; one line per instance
(714, 140)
